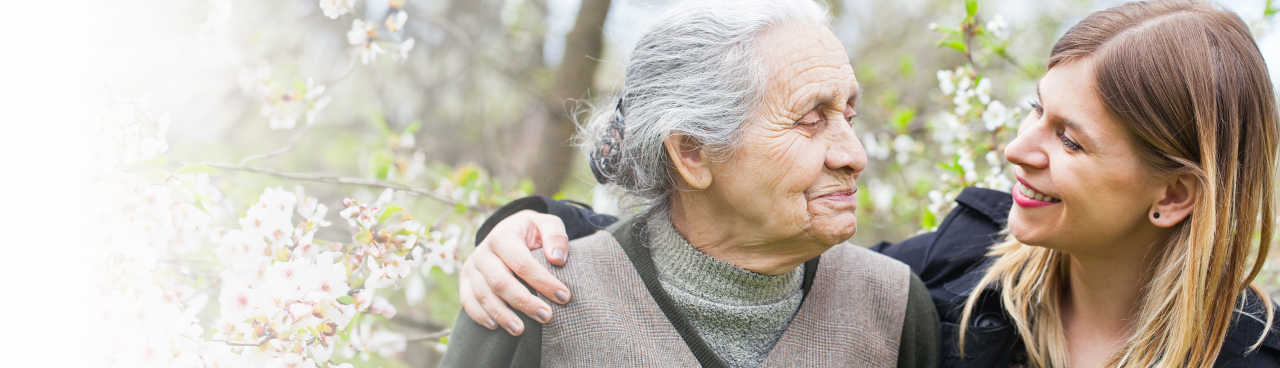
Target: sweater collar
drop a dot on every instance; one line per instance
(682, 266)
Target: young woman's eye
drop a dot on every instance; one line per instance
(1068, 143)
(1035, 105)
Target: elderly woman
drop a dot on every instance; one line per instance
(732, 131)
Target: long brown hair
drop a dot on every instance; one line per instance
(1187, 81)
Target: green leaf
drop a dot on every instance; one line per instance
(381, 165)
(444, 340)
(526, 186)
(466, 175)
(346, 300)
(959, 46)
(155, 175)
(157, 161)
(948, 31)
(364, 236)
(391, 210)
(196, 168)
(907, 67)
(928, 221)
(413, 127)
(902, 118)
(460, 207)
(971, 7)
(381, 123)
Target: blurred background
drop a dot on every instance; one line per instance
(459, 106)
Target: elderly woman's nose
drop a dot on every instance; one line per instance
(847, 153)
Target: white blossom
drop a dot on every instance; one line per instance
(998, 27)
(946, 131)
(336, 8)
(881, 195)
(936, 201)
(253, 79)
(396, 20)
(995, 116)
(903, 145)
(946, 82)
(983, 90)
(874, 148)
(965, 160)
(961, 100)
(362, 35)
(401, 51)
(962, 87)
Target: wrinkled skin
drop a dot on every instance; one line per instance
(787, 193)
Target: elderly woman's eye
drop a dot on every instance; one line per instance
(813, 117)
(849, 114)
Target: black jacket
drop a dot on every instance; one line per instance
(950, 261)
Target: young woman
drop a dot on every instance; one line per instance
(1145, 177)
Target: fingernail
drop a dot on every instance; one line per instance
(557, 254)
(513, 327)
(489, 323)
(544, 315)
(562, 296)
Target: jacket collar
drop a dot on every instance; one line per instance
(992, 203)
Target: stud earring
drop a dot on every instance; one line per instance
(1157, 215)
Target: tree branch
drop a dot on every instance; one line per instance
(334, 179)
(402, 320)
(287, 146)
(259, 343)
(431, 336)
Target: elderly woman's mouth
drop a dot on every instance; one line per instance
(840, 196)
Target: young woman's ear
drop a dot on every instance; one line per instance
(1175, 201)
(689, 160)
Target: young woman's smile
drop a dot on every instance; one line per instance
(1027, 196)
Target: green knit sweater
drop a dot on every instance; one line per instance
(741, 314)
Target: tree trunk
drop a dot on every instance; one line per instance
(573, 79)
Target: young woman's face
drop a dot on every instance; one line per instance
(1081, 183)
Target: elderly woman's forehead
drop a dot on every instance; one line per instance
(806, 60)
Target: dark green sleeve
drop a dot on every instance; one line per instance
(472, 345)
(920, 336)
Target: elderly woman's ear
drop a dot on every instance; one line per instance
(688, 157)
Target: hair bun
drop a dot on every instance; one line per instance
(608, 153)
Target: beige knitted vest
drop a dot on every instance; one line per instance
(851, 317)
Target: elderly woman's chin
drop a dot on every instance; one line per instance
(833, 226)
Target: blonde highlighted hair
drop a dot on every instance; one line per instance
(1188, 83)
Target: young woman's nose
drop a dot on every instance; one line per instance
(1026, 149)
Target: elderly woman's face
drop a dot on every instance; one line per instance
(793, 177)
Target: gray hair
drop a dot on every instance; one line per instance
(695, 73)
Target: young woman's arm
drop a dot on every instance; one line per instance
(486, 283)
